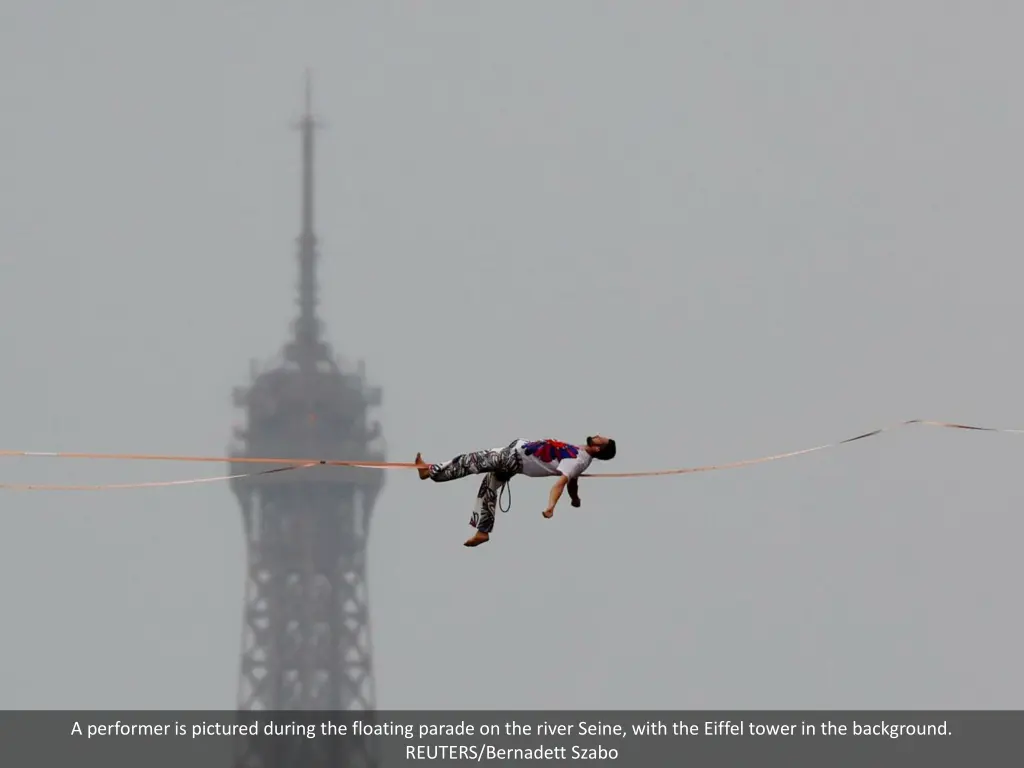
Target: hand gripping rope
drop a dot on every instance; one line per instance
(287, 465)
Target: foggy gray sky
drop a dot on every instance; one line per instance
(711, 230)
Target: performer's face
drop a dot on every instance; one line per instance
(596, 441)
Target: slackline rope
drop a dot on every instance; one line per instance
(287, 465)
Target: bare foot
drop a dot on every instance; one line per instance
(422, 467)
(477, 539)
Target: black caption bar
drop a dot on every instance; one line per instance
(378, 739)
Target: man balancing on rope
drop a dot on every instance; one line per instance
(533, 458)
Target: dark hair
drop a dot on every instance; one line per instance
(607, 452)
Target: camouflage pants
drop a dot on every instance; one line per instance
(499, 466)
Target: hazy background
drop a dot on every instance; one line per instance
(711, 230)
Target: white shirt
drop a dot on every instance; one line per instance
(548, 458)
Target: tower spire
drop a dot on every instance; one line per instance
(308, 126)
(307, 346)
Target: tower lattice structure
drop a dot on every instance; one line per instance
(306, 641)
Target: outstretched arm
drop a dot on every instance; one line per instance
(574, 491)
(555, 495)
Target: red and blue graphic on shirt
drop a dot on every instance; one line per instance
(550, 450)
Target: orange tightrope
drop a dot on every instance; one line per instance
(213, 459)
(284, 464)
(154, 484)
(776, 457)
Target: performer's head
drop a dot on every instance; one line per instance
(601, 447)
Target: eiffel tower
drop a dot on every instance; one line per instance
(306, 638)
